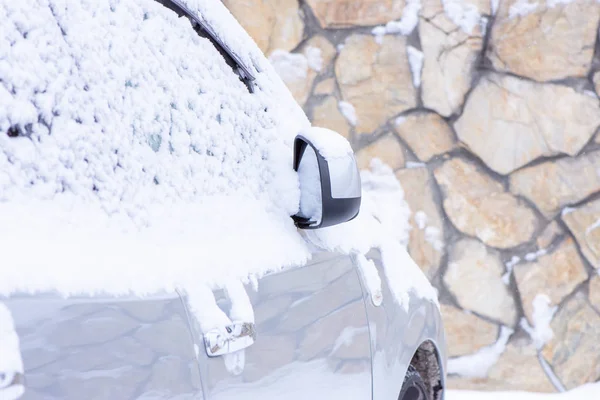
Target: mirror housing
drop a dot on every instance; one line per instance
(326, 155)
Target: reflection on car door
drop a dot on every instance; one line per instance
(312, 338)
(105, 348)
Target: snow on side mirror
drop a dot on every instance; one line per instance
(330, 191)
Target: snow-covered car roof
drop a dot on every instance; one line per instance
(133, 160)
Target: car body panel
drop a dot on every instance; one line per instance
(318, 336)
(105, 348)
(312, 338)
(397, 333)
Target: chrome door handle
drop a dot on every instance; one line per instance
(229, 339)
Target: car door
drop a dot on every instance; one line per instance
(312, 338)
(103, 347)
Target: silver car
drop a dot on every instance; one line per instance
(318, 333)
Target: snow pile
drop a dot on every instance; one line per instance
(554, 3)
(371, 278)
(330, 144)
(494, 6)
(314, 57)
(510, 265)
(10, 361)
(593, 227)
(477, 365)
(214, 241)
(408, 22)
(415, 59)
(535, 255)
(567, 210)
(462, 14)
(348, 111)
(433, 235)
(543, 311)
(291, 67)
(414, 164)
(521, 8)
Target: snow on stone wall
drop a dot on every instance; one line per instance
(496, 147)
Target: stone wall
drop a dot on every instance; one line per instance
(488, 112)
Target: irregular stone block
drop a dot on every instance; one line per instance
(555, 275)
(465, 332)
(584, 223)
(574, 352)
(272, 24)
(478, 206)
(450, 57)
(509, 122)
(427, 134)
(387, 148)
(326, 86)
(328, 115)
(474, 277)
(295, 72)
(375, 78)
(549, 234)
(552, 41)
(518, 368)
(595, 292)
(320, 52)
(426, 236)
(555, 184)
(346, 13)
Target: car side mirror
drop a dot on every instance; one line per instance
(330, 190)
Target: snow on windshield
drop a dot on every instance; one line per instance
(133, 159)
(117, 117)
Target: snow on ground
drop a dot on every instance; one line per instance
(477, 365)
(585, 392)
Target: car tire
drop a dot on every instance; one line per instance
(413, 387)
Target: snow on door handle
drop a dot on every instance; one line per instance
(229, 339)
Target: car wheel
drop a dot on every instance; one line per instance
(413, 387)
